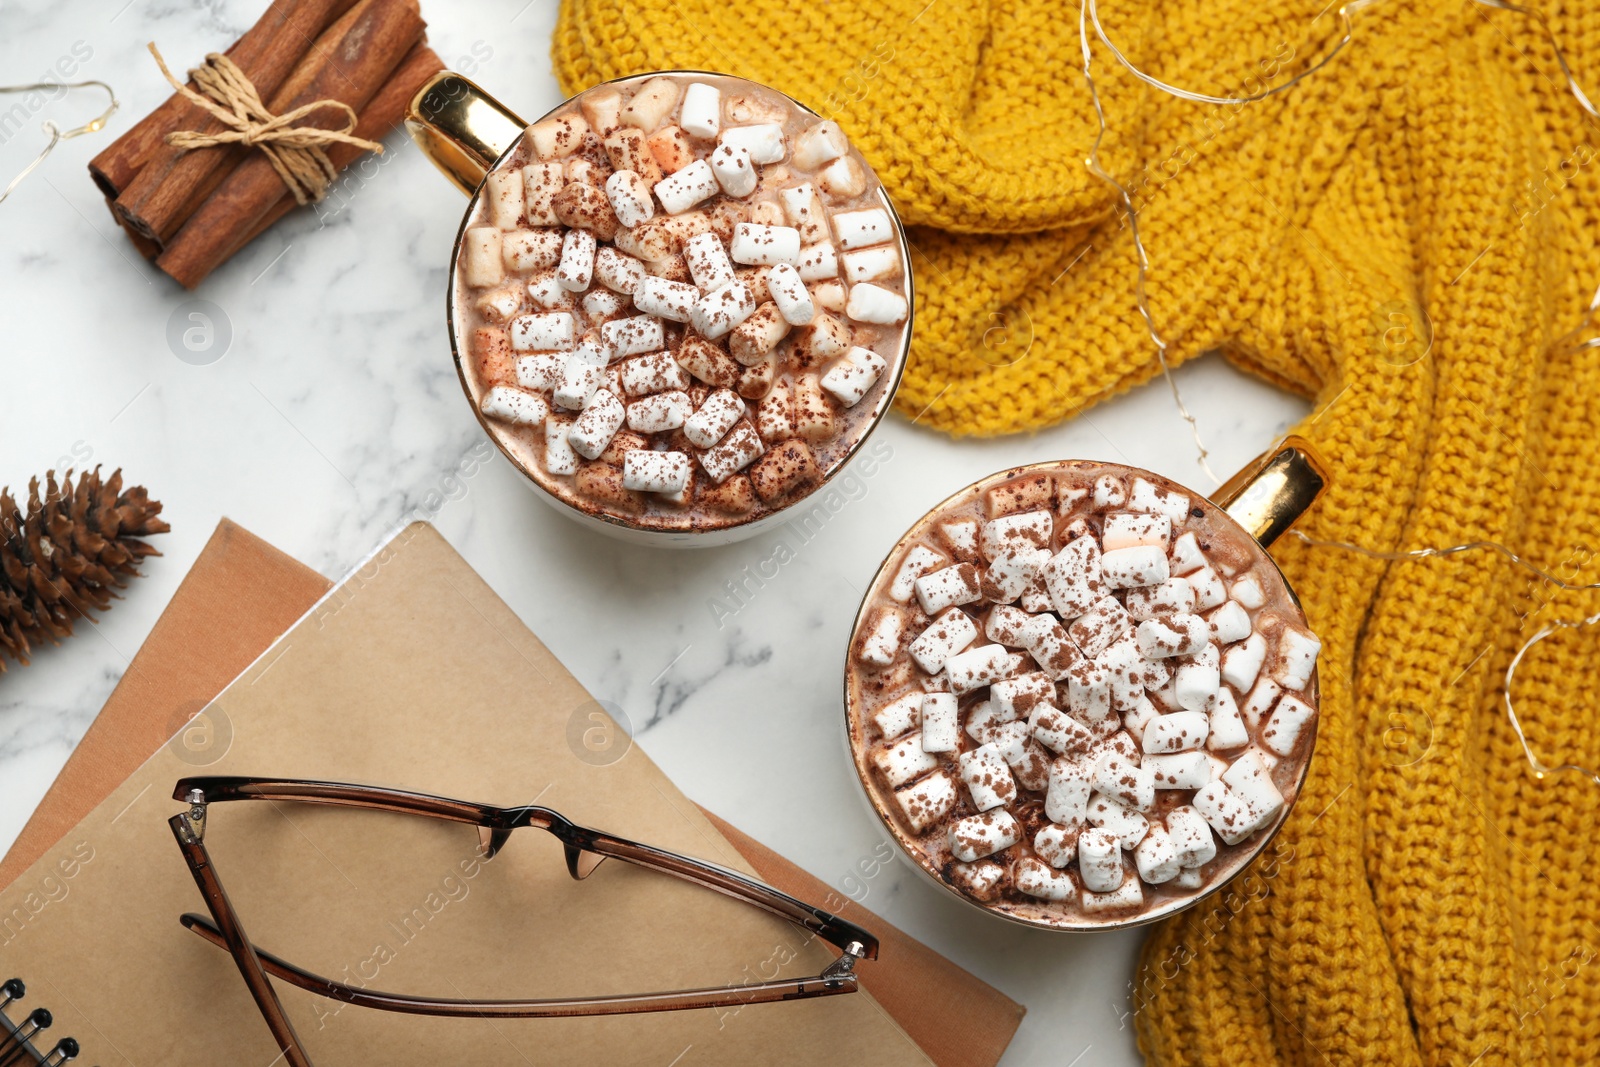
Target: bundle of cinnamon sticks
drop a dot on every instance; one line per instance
(189, 210)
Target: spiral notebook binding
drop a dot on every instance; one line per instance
(23, 1042)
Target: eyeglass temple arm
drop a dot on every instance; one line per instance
(189, 829)
(837, 979)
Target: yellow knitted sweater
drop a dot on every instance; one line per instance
(1402, 236)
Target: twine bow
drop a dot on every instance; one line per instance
(295, 152)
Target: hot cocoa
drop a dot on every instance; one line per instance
(681, 301)
(1079, 694)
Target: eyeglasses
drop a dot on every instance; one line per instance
(585, 849)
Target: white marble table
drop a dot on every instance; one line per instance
(335, 413)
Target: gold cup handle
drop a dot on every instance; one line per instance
(461, 128)
(1269, 494)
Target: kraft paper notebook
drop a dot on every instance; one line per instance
(411, 674)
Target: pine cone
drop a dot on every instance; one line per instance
(68, 554)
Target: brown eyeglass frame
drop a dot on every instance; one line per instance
(585, 850)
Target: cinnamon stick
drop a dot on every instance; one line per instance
(156, 185)
(382, 115)
(377, 35)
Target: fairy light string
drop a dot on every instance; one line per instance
(54, 132)
(1089, 15)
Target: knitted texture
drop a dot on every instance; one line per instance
(1403, 236)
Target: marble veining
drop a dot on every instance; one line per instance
(334, 416)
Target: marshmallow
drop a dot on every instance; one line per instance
(1177, 732)
(941, 727)
(1031, 528)
(945, 636)
(543, 333)
(540, 371)
(803, 209)
(1012, 572)
(788, 291)
(502, 192)
(1088, 691)
(1004, 624)
(1141, 565)
(701, 114)
(1229, 623)
(1029, 762)
(655, 472)
(1018, 697)
(514, 405)
(1288, 721)
(1208, 588)
(630, 198)
(1109, 492)
(962, 537)
(558, 137)
(903, 760)
(1138, 717)
(949, 587)
(482, 257)
(982, 835)
(979, 880)
(617, 272)
(1125, 671)
(708, 262)
(817, 262)
(1035, 879)
(1048, 643)
(764, 141)
(874, 304)
(898, 717)
(1096, 629)
(1250, 779)
(602, 417)
(683, 189)
(1188, 878)
(984, 721)
(735, 170)
(981, 666)
(1066, 798)
(851, 378)
(736, 452)
(1190, 835)
(1157, 857)
(714, 419)
(1259, 702)
(671, 148)
(1128, 783)
(720, 310)
(526, 250)
(1057, 845)
(1179, 770)
(754, 339)
(987, 777)
(1242, 663)
(633, 335)
(540, 183)
(881, 642)
(651, 103)
(818, 144)
(665, 299)
(1297, 654)
(1247, 591)
(1127, 897)
(1172, 635)
(499, 305)
(1147, 496)
(1059, 732)
(1197, 679)
(602, 304)
(1099, 861)
(928, 801)
(843, 178)
(870, 264)
(1073, 578)
(1133, 530)
(1186, 556)
(918, 561)
(654, 372)
(858, 229)
(1227, 729)
(546, 290)
(1115, 818)
(764, 246)
(662, 411)
(559, 458)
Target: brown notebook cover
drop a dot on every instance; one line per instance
(241, 594)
